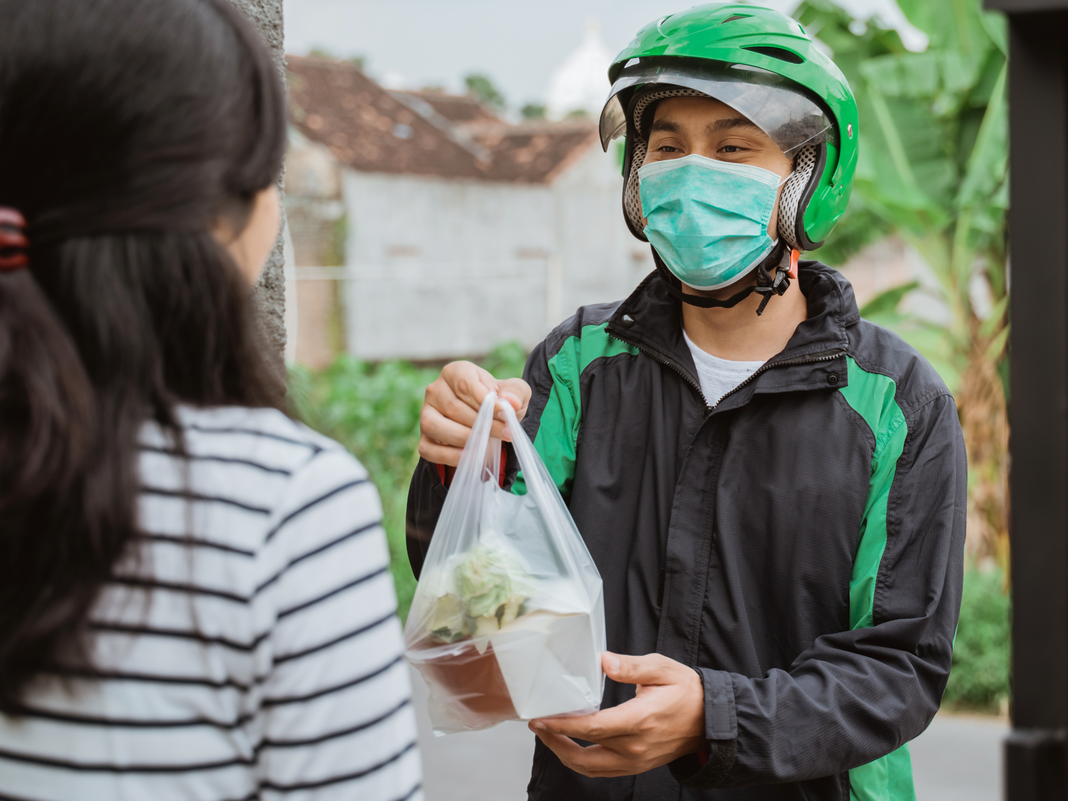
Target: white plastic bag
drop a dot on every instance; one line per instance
(507, 622)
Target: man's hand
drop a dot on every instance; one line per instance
(451, 406)
(664, 721)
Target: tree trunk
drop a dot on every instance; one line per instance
(266, 15)
(985, 422)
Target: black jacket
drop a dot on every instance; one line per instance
(801, 544)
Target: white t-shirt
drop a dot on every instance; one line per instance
(252, 651)
(718, 376)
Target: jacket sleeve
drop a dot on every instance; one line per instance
(553, 388)
(856, 696)
(426, 496)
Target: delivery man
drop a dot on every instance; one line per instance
(772, 488)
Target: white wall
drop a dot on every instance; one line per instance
(442, 268)
(602, 261)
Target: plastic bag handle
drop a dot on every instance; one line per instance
(484, 444)
(528, 458)
(479, 458)
(542, 488)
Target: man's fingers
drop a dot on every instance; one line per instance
(649, 669)
(579, 726)
(500, 431)
(517, 392)
(451, 408)
(440, 430)
(617, 721)
(468, 383)
(451, 405)
(594, 761)
(439, 454)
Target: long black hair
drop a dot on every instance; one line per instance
(128, 130)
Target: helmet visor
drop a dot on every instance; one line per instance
(776, 105)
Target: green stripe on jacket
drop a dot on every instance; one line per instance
(561, 419)
(873, 397)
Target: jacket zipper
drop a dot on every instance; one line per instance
(667, 363)
(822, 356)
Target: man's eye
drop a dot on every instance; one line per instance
(667, 149)
(731, 149)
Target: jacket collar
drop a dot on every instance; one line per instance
(651, 320)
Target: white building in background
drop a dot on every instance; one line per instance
(580, 83)
(424, 227)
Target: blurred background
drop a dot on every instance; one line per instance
(447, 197)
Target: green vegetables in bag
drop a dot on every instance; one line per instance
(484, 591)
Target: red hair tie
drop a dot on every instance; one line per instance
(13, 241)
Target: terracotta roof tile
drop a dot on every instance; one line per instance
(367, 128)
(536, 152)
(421, 133)
(458, 109)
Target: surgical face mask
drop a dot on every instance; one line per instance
(708, 219)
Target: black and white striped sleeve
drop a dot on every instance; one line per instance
(336, 720)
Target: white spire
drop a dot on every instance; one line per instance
(581, 81)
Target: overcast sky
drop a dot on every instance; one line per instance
(517, 43)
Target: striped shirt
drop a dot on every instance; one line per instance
(250, 650)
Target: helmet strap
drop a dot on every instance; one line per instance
(766, 285)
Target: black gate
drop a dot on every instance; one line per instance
(1035, 765)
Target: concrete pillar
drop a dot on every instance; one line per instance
(266, 15)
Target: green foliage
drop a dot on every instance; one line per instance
(982, 649)
(886, 302)
(482, 89)
(928, 339)
(850, 43)
(373, 410)
(933, 155)
(533, 111)
(859, 227)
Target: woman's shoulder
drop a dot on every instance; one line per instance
(264, 433)
(257, 459)
(259, 480)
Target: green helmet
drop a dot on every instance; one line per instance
(763, 65)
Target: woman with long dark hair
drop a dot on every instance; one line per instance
(194, 600)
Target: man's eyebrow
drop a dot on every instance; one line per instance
(666, 125)
(716, 127)
(728, 123)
